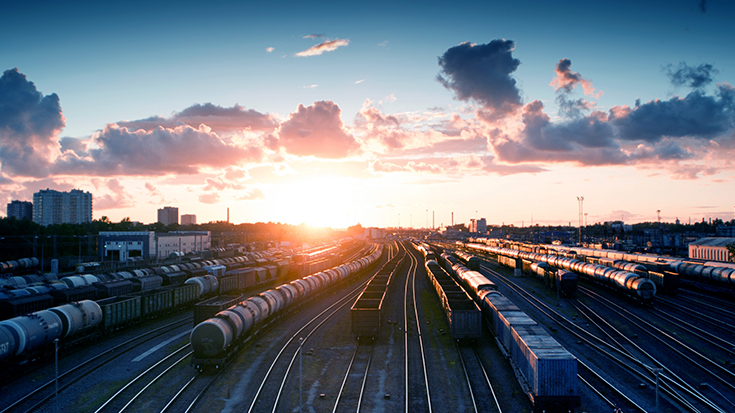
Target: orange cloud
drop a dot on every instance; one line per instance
(326, 46)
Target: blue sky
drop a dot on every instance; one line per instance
(131, 61)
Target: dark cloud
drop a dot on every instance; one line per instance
(182, 150)
(73, 144)
(29, 124)
(573, 109)
(694, 77)
(592, 131)
(482, 73)
(315, 130)
(566, 80)
(588, 140)
(221, 120)
(696, 115)
(703, 4)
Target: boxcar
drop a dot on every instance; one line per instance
(118, 312)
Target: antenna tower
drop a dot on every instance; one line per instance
(580, 199)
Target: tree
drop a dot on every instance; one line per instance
(731, 250)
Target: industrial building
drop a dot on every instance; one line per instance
(148, 245)
(168, 215)
(20, 209)
(55, 207)
(711, 249)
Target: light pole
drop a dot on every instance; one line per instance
(301, 371)
(657, 371)
(56, 364)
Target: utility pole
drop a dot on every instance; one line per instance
(580, 199)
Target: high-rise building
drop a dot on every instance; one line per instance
(168, 215)
(20, 209)
(188, 219)
(54, 207)
(478, 225)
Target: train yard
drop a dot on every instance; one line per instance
(393, 328)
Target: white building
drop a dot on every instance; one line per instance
(54, 207)
(711, 249)
(182, 242)
(125, 245)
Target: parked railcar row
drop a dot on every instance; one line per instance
(463, 314)
(27, 336)
(549, 371)
(218, 338)
(556, 278)
(631, 284)
(366, 314)
(18, 265)
(29, 333)
(29, 293)
(473, 281)
(710, 271)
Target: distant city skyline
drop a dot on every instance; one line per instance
(337, 114)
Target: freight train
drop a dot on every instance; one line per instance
(216, 340)
(661, 266)
(26, 334)
(549, 371)
(631, 284)
(18, 265)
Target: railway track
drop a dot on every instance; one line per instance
(352, 391)
(282, 365)
(623, 352)
(45, 393)
(620, 398)
(687, 359)
(418, 394)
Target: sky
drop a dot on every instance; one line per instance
(380, 113)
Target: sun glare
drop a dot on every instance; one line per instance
(318, 202)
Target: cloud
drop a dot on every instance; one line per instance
(388, 205)
(210, 198)
(383, 43)
(314, 36)
(703, 4)
(315, 130)
(270, 49)
(325, 46)
(482, 73)
(694, 77)
(252, 195)
(222, 120)
(75, 145)
(566, 80)
(696, 115)
(181, 150)
(588, 140)
(357, 82)
(29, 125)
(118, 199)
(573, 109)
